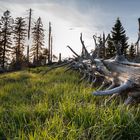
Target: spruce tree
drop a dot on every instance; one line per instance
(118, 36)
(45, 54)
(38, 41)
(110, 49)
(5, 36)
(132, 52)
(20, 34)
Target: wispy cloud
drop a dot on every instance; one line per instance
(87, 16)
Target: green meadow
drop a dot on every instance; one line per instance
(55, 106)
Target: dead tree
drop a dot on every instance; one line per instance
(73, 51)
(29, 31)
(84, 50)
(137, 43)
(49, 44)
(100, 49)
(117, 76)
(59, 58)
(121, 76)
(51, 53)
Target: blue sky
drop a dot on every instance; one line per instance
(70, 17)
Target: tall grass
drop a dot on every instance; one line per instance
(55, 106)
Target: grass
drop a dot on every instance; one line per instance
(55, 106)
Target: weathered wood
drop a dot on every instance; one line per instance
(84, 50)
(115, 90)
(124, 71)
(73, 51)
(59, 58)
(29, 30)
(121, 76)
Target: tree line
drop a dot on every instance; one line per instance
(14, 35)
(118, 36)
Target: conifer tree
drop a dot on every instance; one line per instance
(110, 49)
(20, 33)
(5, 36)
(118, 36)
(132, 52)
(45, 55)
(38, 41)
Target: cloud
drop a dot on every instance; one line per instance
(87, 16)
(79, 15)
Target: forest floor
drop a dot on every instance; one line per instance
(55, 106)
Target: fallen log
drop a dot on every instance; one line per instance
(122, 76)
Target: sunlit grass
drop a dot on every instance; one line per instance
(54, 106)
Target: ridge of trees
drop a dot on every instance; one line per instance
(118, 35)
(15, 33)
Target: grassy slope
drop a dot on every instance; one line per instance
(55, 106)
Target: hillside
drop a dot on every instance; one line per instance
(55, 106)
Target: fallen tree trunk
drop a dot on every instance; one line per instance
(123, 76)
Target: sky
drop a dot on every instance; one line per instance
(71, 17)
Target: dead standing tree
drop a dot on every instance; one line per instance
(29, 31)
(137, 43)
(50, 43)
(51, 55)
